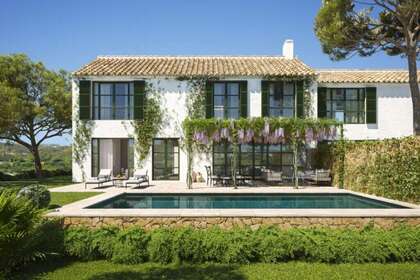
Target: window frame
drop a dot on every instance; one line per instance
(166, 158)
(226, 96)
(257, 150)
(282, 107)
(361, 114)
(97, 108)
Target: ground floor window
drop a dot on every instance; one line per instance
(116, 154)
(165, 159)
(253, 159)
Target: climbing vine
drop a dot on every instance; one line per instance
(147, 128)
(307, 98)
(81, 140)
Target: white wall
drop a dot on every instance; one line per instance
(394, 117)
(394, 113)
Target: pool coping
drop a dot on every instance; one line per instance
(77, 209)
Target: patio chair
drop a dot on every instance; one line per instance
(104, 176)
(272, 176)
(211, 178)
(137, 179)
(321, 176)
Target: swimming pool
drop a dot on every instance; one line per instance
(242, 201)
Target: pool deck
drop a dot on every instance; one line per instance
(77, 209)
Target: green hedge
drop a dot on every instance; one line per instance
(389, 168)
(242, 245)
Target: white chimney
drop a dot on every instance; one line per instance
(288, 49)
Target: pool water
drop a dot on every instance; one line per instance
(240, 201)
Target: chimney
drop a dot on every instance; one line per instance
(288, 49)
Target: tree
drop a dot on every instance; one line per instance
(349, 27)
(35, 104)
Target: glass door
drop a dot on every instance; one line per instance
(165, 159)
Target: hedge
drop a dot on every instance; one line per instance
(243, 245)
(30, 174)
(389, 168)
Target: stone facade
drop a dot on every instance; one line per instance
(230, 222)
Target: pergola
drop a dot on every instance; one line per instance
(202, 133)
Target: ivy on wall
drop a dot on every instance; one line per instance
(147, 128)
(81, 140)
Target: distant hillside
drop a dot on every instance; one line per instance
(15, 158)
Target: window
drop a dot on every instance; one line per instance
(165, 159)
(281, 99)
(346, 104)
(226, 100)
(113, 101)
(253, 159)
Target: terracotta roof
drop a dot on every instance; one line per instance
(190, 66)
(363, 76)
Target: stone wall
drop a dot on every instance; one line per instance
(229, 222)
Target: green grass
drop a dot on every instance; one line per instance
(51, 182)
(103, 270)
(59, 199)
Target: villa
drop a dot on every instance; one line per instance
(110, 92)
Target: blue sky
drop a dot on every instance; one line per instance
(68, 34)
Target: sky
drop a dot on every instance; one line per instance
(68, 34)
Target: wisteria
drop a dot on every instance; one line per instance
(267, 131)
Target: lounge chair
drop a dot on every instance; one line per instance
(137, 179)
(321, 176)
(104, 176)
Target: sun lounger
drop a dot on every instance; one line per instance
(104, 176)
(138, 178)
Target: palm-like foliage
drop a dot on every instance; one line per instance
(21, 231)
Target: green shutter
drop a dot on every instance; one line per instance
(139, 99)
(265, 87)
(84, 100)
(299, 99)
(243, 90)
(322, 102)
(209, 99)
(371, 105)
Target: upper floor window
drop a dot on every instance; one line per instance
(113, 101)
(281, 99)
(226, 100)
(347, 105)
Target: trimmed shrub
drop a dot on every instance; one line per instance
(160, 247)
(242, 245)
(38, 194)
(130, 246)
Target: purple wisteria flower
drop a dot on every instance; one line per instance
(249, 136)
(201, 137)
(216, 136)
(241, 136)
(309, 135)
(224, 133)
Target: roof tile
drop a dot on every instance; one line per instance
(275, 66)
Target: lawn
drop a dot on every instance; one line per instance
(59, 199)
(103, 270)
(51, 182)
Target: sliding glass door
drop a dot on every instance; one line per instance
(165, 159)
(115, 154)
